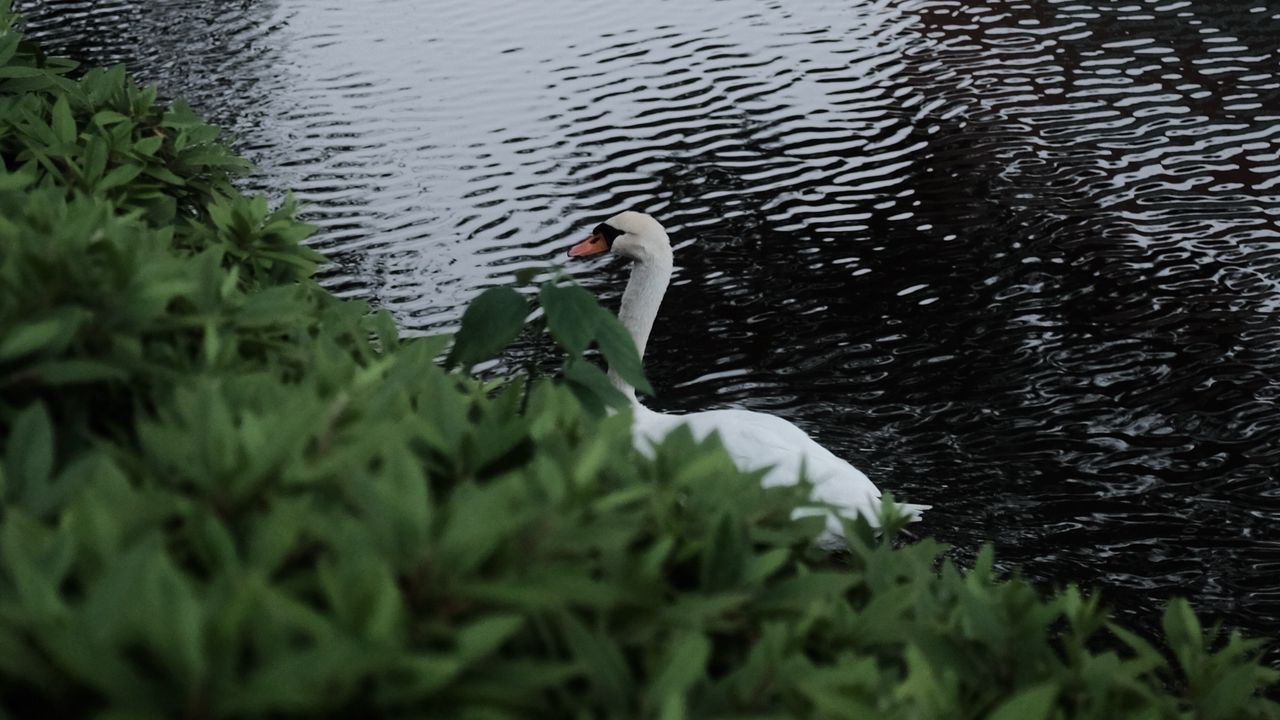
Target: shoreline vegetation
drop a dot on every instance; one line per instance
(227, 493)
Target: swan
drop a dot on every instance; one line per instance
(754, 440)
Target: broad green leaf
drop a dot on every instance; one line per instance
(403, 504)
(148, 145)
(209, 157)
(1183, 631)
(8, 40)
(69, 372)
(48, 334)
(1228, 696)
(108, 117)
(525, 276)
(762, 566)
(63, 124)
(724, 562)
(673, 708)
(1180, 623)
(412, 677)
(21, 71)
(95, 159)
(29, 450)
(122, 175)
(802, 591)
(428, 348)
(278, 533)
(683, 664)
(470, 535)
(1143, 650)
(496, 438)
(1033, 703)
(484, 637)
(175, 617)
(489, 324)
(164, 174)
(10, 181)
(35, 560)
(572, 315)
(181, 116)
(590, 383)
(619, 349)
(601, 661)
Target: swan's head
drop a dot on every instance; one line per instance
(630, 234)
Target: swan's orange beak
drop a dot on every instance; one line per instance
(593, 245)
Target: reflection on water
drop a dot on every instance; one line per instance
(1019, 260)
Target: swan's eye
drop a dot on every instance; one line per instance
(608, 232)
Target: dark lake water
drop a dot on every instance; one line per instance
(1017, 260)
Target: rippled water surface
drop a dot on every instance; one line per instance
(1019, 260)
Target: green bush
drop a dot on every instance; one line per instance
(227, 493)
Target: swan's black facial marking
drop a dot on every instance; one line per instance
(608, 232)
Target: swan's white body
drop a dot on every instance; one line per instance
(759, 441)
(754, 440)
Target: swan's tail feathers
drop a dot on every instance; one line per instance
(913, 512)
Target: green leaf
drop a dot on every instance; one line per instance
(104, 118)
(682, 666)
(35, 561)
(1183, 631)
(483, 637)
(619, 349)
(761, 567)
(64, 125)
(803, 591)
(21, 71)
(163, 174)
(572, 314)
(148, 146)
(8, 40)
(175, 618)
(48, 334)
(29, 451)
(73, 371)
(591, 385)
(1180, 622)
(122, 175)
(415, 676)
(1034, 703)
(1144, 652)
(1230, 694)
(19, 180)
(489, 324)
(214, 157)
(525, 276)
(95, 159)
(724, 562)
(271, 540)
(600, 658)
(181, 116)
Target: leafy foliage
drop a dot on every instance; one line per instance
(226, 493)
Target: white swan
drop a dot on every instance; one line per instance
(754, 440)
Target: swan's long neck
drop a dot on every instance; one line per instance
(640, 302)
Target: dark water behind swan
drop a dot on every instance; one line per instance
(1018, 260)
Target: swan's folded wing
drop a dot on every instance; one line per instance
(758, 441)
